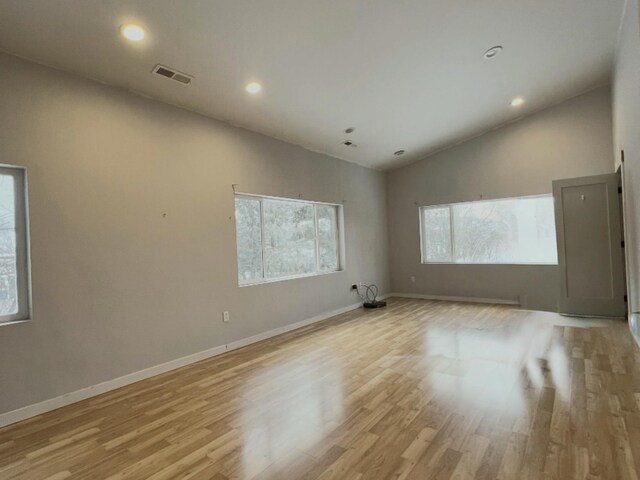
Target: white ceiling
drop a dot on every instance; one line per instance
(407, 74)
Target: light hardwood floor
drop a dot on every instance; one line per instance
(419, 390)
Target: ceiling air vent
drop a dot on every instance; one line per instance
(173, 74)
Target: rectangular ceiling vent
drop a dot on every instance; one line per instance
(173, 74)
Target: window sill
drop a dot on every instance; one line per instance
(14, 322)
(494, 264)
(284, 279)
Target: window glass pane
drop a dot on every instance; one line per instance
(8, 269)
(289, 238)
(437, 233)
(249, 239)
(327, 237)
(484, 232)
(537, 230)
(515, 230)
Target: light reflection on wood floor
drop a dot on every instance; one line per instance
(419, 390)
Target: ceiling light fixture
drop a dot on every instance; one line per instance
(350, 130)
(132, 32)
(398, 153)
(253, 87)
(516, 102)
(493, 52)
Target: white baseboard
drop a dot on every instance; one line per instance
(287, 328)
(634, 326)
(499, 301)
(93, 390)
(68, 398)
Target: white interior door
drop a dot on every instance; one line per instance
(590, 243)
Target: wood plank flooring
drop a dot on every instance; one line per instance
(419, 390)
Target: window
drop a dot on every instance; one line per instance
(513, 230)
(14, 249)
(279, 239)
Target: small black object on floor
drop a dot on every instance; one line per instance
(376, 304)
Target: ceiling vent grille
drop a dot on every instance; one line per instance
(172, 74)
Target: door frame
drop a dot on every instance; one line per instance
(625, 230)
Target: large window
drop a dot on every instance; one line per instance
(279, 239)
(512, 230)
(14, 248)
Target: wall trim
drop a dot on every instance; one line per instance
(499, 301)
(39, 408)
(634, 326)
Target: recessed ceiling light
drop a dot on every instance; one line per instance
(253, 87)
(132, 32)
(516, 102)
(493, 52)
(398, 153)
(350, 130)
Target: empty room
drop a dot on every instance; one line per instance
(313, 239)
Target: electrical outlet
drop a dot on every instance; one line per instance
(225, 316)
(413, 279)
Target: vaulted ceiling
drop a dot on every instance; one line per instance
(406, 74)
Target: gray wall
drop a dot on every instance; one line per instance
(572, 139)
(626, 121)
(117, 287)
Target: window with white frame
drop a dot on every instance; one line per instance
(518, 230)
(14, 246)
(279, 238)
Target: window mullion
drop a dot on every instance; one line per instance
(452, 235)
(423, 235)
(262, 251)
(336, 238)
(315, 235)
